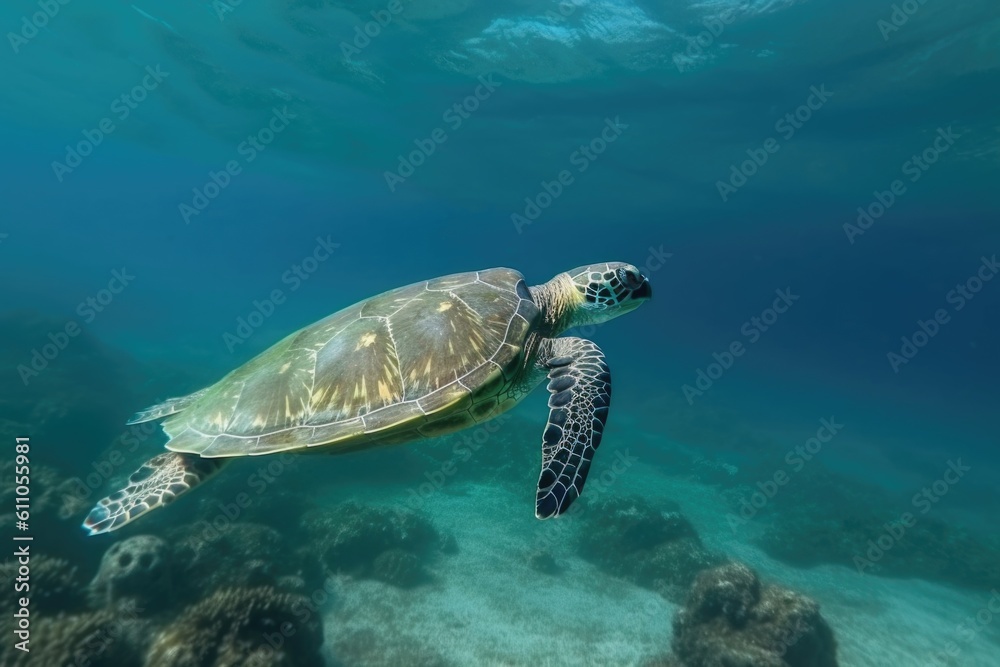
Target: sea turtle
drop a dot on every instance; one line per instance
(418, 361)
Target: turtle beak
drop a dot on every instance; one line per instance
(643, 291)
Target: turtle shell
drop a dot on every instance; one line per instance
(431, 357)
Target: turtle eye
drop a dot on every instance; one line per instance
(630, 279)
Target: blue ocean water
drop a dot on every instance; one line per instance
(809, 187)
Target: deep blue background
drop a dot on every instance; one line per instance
(655, 186)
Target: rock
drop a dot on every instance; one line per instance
(731, 592)
(391, 545)
(242, 554)
(135, 571)
(729, 619)
(656, 548)
(351, 532)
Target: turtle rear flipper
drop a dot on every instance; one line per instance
(167, 407)
(158, 482)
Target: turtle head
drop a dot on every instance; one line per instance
(609, 290)
(593, 294)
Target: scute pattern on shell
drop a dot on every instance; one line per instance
(386, 366)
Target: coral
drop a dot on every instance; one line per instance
(399, 568)
(491, 453)
(53, 584)
(268, 501)
(657, 549)
(99, 639)
(258, 627)
(136, 570)
(292, 583)
(57, 507)
(706, 428)
(237, 555)
(242, 554)
(351, 538)
(54, 499)
(730, 619)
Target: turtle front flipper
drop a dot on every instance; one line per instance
(158, 482)
(580, 388)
